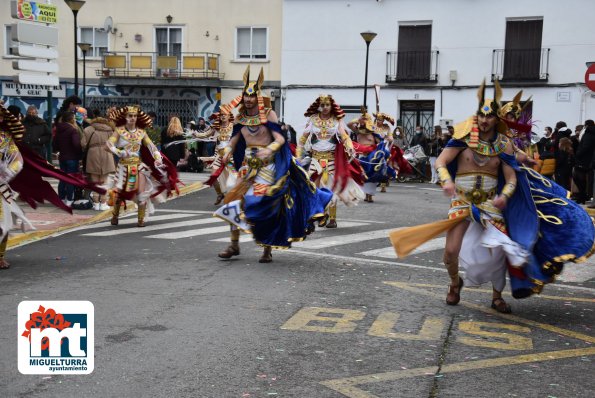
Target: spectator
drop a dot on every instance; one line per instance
(584, 162)
(99, 163)
(545, 143)
(400, 140)
(68, 105)
(174, 132)
(560, 132)
(420, 139)
(67, 143)
(15, 111)
(37, 133)
(564, 163)
(433, 150)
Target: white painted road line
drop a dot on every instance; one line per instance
(130, 219)
(184, 211)
(157, 227)
(322, 243)
(342, 224)
(191, 233)
(389, 252)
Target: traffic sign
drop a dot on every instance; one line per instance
(590, 77)
(25, 32)
(38, 78)
(35, 66)
(35, 52)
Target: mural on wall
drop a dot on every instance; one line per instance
(188, 103)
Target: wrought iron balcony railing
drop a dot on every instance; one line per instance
(198, 65)
(521, 65)
(412, 66)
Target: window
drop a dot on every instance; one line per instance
(98, 38)
(251, 43)
(522, 51)
(168, 41)
(8, 42)
(414, 54)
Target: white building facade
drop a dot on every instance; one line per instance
(429, 57)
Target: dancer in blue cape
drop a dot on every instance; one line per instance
(504, 218)
(274, 199)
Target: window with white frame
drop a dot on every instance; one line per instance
(8, 42)
(252, 43)
(168, 41)
(97, 38)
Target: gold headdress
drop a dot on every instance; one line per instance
(10, 124)
(251, 89)
(388, 118)
(325, 98)
(143, 120)
(514, 107)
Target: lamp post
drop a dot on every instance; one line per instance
(75, 6)
(368, 37)
(84, 48)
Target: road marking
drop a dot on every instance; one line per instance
(509, 317)
(343, 239)
(343, 224)
(384, 325)
(389, 252)
(113, 232)
(347, 386)
(537, 296)
(369, 261)
(341, 321)
(184, 211)
(190, 233)
(578, 272)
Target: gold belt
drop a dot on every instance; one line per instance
(476, 195)
(323, 155)
(135, 160)
(257, 163)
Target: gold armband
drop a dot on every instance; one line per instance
(274, 146)
(303, 139)
(443, 174)
(508, 190)
(226, 151)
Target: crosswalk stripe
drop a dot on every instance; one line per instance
(198, 221)
(184, 211)
(130, 219)
(191, 233)
(389, 252)
(322, 243)
(343, 224)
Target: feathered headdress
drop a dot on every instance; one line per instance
(143, 120)
(514, 106)
(10, 124)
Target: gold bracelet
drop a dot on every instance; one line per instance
(508, 190)
(226, 151)
(274, 146)
(444, 175)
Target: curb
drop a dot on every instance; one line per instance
(32, 236)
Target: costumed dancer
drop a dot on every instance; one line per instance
(384, 130)
(333, 164)
(21, 172)
(519, 131)
(224, 175)
(142, 173)
(273, 199)
(502, 217)
(373, 152)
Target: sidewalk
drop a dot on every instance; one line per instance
(49, 220)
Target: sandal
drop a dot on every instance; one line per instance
(453, 297)
(501, 306)
(4, 264)
(219, 200)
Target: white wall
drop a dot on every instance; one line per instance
(323, 52)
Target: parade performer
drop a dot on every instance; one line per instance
(142, 173)
(502, 217)
(333, 164)
(373, 151)
(224, 175)
(21, 172)
(384, 130)
(273, 199)
(519, 131)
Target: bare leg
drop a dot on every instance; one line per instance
(220, 195)
(454, 240)
(498, 302)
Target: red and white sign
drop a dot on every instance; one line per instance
(590, 77)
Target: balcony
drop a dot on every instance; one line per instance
(190, 65)
(522, 65)
(412, 66)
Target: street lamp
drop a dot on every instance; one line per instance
(368, 37)
(84, 48)
(75, 6)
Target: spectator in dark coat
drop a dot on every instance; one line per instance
(68, 143)
(564, 163)
(583, 167)
(37, 133)
(174, 132)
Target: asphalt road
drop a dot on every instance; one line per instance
(335, 316)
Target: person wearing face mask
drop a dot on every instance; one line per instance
(37, 133)
(420, 139)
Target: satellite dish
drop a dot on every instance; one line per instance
(108, 24)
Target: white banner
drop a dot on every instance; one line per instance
(12, 89)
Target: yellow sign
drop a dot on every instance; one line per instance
(34, 11)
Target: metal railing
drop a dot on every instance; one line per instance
(199, 65)
(530, 64)
(412, 66)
